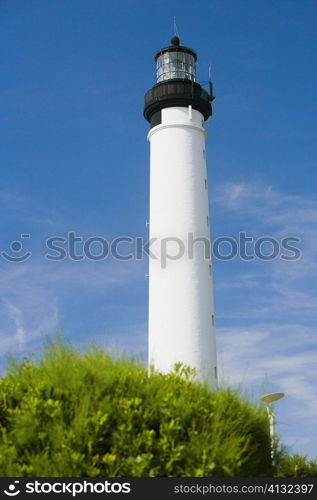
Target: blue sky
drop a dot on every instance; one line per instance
(74, 157)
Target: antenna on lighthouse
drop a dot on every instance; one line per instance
(176, 33)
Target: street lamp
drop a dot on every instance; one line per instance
(267, 399)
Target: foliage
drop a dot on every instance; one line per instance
(296, 466)
(91, 415)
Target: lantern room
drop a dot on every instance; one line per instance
(175, 62)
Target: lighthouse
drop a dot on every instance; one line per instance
(181, 307)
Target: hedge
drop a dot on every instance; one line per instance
(91, 415)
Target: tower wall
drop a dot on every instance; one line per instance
(181, 311)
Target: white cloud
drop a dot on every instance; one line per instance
(267, 206)
(267, 349)
(269, 211)
(16, 315)
(271, 338)
(33, 292)
(304, 394)
(247, 280)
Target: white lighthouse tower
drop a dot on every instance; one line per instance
(181, 309)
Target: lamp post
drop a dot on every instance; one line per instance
(267, 399)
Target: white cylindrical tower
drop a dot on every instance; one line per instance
(181, 310)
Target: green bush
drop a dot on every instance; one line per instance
(296, 466)
(91, 415)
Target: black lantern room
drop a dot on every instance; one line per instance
(176, 83)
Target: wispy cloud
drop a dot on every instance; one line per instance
(15, 205)
(270, 335)
(34, 292)
(268, 211)
(15, 314)
(267, 205)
